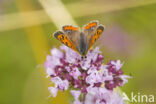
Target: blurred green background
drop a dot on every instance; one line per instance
(26, 38)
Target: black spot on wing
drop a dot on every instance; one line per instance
(57, 33)
(66, 43)
(62, 37)
(95, 39)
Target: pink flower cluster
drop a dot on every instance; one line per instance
(88, 77)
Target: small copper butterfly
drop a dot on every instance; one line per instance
(80, 41)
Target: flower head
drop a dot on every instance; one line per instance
(88, 76)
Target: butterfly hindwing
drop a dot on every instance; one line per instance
(64, 39)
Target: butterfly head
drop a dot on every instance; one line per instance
(83, 57)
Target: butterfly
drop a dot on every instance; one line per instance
(80, 41)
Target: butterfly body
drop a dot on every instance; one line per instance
(80, 41)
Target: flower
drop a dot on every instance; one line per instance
(75, 73)
(53, 91)
(124, 78)
(75, 94)
(103, 96)
(60, 84)
(86, 77)
(117, 64)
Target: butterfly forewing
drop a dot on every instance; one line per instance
(73, 34)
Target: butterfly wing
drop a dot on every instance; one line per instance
(92, 32)
(96, 35)
(65, 40)
(73, 34)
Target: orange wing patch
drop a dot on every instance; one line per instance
(70, 28)
(92, 24)
(96, 35)
(64, 39)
